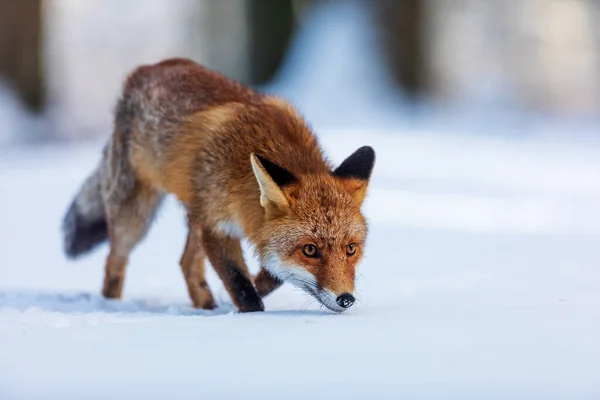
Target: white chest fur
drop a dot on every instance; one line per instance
(230, 229)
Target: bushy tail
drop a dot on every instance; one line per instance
(84, 225)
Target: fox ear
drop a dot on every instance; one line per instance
(271, 177)
(358, 166)
(356, 170)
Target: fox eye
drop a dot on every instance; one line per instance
(310, 250)
(351, 249)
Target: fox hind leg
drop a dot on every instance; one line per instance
(128, 221)
(193, 268)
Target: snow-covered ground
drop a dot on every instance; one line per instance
(480, 280)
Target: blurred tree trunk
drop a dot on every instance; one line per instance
(271, 23)
(223, 31)
(20, 49)
(401, 25)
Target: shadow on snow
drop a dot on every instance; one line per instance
(85, 303)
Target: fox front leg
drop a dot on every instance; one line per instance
(225, 255)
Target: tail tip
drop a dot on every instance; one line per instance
(82, 233)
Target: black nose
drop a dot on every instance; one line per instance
(345, 300)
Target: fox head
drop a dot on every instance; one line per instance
(314, 233)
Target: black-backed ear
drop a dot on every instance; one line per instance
(271, 195)
(358, 166)
(280, 176)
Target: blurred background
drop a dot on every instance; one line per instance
(488, 67)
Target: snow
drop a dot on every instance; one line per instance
(480, 281)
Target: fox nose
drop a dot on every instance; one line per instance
(345, 300)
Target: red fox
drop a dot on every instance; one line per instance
(244, 165)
